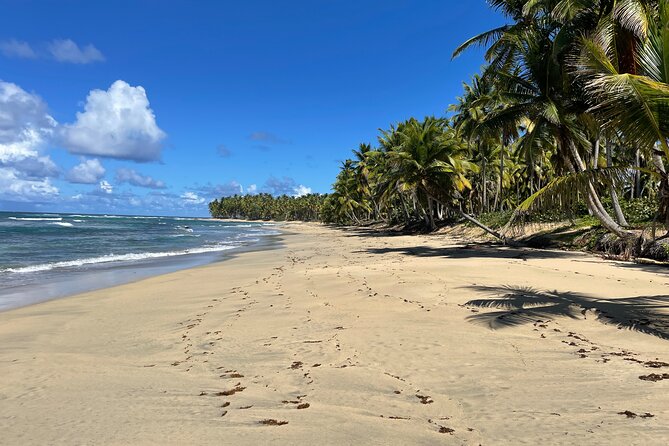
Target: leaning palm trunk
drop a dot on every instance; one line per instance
(614, 195)
(405, 207)
(592, 198)
(481, 225)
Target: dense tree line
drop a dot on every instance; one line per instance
(267, 207)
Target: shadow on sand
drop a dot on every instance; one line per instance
(473, 250)
(523, 305)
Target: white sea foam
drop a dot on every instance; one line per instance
(114, 258)
(117, 216)
(63, 224)
(35, 219)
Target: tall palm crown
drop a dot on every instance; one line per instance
(429, 159)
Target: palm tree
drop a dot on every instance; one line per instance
(534, 86)
(469, 113)
(634, 103)
(429, 163)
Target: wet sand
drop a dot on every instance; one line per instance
(347, 337)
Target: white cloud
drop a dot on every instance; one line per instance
(117, 123)
(301, 190)
(25, 126)
(192, 198)
(66, 50)
(24, 158)
(106, 187)
(23, 116)
(36, 167)
(87, 172)
(285, 186)
(252, 189)
(211, 191)
(17, 48)
(61, 50)
(14, 188)
(136, 179)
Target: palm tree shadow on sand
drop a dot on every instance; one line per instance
(524, 305)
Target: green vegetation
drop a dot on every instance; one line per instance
(267, 207)
(570, 117)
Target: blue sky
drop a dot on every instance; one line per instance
(159, 106)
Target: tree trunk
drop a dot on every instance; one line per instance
(482, 226)
(592, 198)
(637, 174)
(440, 211)
(501, 179)
(614, 196)
(532, 179)
(430, 212)
(485, 186)
(541, 171)
(425, 214)
(663, 198)
(663, 191)
(405, 208)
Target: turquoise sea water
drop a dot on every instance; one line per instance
(46, 255)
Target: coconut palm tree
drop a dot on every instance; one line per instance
(430, 163)
(470, 112)
(534, 86)
(632, 102)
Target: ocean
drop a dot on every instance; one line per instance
(44, 256)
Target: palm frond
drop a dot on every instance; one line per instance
(567, 10)
(484, 39)
(635, 105)
(632, 15)
(564, 192)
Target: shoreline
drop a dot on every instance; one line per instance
(349, 338)
(68, 283)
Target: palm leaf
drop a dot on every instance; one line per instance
(632, 15)
(567, 10)
(483, 39)
(564, 192)
(635, 105)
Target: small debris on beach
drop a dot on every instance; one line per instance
(272, 422)
(230, 392)
(425, 399)
(654, 377)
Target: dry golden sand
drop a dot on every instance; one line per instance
(338, 338)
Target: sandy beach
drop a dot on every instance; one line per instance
(347, 337)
